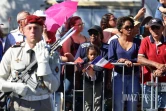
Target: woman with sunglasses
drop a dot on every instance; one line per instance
(125, 50)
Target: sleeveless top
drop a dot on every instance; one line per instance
(74, 46)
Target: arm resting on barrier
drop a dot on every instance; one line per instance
(144, 61)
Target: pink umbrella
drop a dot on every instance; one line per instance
(58, 13)
(51, 24)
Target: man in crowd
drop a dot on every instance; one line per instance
(16, 35)
(152, 54)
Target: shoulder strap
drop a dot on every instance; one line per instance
(17, 48)
(72, 41)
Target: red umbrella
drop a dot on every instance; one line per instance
(58, 13)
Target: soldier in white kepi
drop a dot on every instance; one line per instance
(31, 87)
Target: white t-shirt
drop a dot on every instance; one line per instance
(113, 37)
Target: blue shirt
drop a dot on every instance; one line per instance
(115, 52)
(158, 14)
(81, 52)
(13, 37)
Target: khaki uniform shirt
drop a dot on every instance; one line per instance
(17, 58)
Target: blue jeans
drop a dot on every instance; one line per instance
(127, 93)
(147, 98)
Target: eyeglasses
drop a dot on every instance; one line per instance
(155, 27)
(80, 25)
(114, 19)
(128, 27)
(93, 33)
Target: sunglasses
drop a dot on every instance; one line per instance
(93, 33)
(128, 27)
(114, 19)
(155, 27)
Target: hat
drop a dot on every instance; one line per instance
(136, 22)
(155, 21)
(95, 27)
(146, 20)
(39, 13)
(33, 19)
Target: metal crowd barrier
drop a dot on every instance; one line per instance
(154, 85)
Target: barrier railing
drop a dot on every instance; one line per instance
(154, 85)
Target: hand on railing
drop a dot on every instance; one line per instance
(127, 62)
(69, 56)
(161, 67)
(121, 60)
(157, 73)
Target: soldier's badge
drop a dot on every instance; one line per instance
(17, 60)
(57, 69)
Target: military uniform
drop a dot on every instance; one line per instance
(16, 59)
(13, 37)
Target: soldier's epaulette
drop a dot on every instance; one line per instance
(87, 44)
(18, 44)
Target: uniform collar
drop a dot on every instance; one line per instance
(162, 40)
(27, 48)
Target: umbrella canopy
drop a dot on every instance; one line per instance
(58, 13)
(51, 24)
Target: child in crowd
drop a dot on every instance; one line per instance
(93, 77)
(161, 8)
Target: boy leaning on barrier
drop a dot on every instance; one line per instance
(152, 54)
(46, 76)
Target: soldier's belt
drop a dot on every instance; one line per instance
(35, 98)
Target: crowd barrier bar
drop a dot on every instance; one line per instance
(154, 85)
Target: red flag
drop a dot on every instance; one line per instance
(78, 60)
